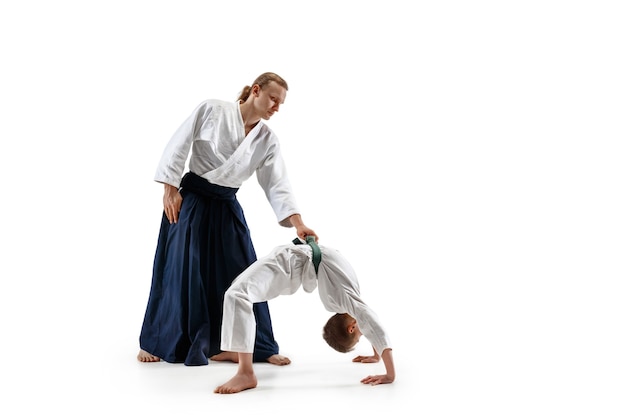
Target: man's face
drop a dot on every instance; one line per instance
(269, 99)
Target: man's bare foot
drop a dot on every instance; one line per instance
(226, 356)
(279, 360)
(238, 383)
(144, 356)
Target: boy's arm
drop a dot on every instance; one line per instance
(389, 377)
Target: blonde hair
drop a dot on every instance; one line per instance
(263, 80)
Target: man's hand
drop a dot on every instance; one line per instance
(301, 229)
(172, 200)
(304, 231)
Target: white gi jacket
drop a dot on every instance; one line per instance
(224, 155)
(282, 272)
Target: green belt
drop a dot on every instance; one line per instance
(317, 253)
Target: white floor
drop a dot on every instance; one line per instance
(445, 367)
(81, 378)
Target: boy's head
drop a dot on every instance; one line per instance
(341, 332)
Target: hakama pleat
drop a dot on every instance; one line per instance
(195, 262)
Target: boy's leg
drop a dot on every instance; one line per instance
(244, 378)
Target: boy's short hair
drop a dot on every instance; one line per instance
(336, 333)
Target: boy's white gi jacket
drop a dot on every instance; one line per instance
(282, 272)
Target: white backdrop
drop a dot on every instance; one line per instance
(467, 157)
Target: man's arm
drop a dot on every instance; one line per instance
(301, 229)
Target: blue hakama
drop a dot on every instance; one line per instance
(195, 262)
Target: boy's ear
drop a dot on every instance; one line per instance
(352, 327)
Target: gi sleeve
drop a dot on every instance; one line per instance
(172, 164)
(273, 178)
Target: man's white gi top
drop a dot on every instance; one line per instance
(282, 272)
(222, 154)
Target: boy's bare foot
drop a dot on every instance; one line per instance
(279, 360)
(144, 356)
(238, 383)
(226, 356)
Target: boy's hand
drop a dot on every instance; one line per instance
(377, 379)
(367, 359)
